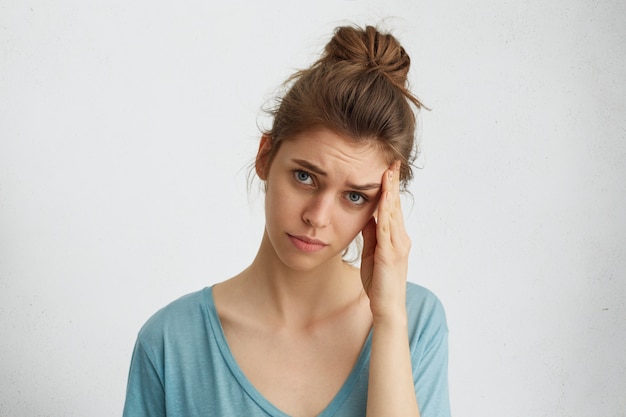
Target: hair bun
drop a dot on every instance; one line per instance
(371, 50)
(357, 88)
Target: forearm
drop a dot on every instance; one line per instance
(391, 391)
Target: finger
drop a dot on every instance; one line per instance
(398, 234)
(396, 182)
(397, 230)
(385, 206)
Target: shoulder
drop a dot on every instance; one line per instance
(422, 298)
(424, 309)
(428, 339)
(181, 316)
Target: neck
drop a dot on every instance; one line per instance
(299, 297)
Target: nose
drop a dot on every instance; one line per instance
(318, 212)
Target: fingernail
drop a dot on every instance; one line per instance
(388, 196)
(390, 175)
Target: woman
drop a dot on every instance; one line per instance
(301, 332)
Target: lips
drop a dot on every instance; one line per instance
(306, 244)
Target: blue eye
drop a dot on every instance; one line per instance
(356, 198)
(303, 177)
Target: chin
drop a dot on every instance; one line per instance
(301, 264)
(307, 262)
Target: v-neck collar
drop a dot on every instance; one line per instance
(257, 397)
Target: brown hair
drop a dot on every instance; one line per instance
(357, 88)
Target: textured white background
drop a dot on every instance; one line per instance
(126, 127)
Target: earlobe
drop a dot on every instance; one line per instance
(262, 157)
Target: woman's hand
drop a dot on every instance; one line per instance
(386, 246)
(384, 265)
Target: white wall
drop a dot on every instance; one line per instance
(125, 129)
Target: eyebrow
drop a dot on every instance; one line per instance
(317, 170)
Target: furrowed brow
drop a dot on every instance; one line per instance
(364, 187)
(317, 170)
(310, 166)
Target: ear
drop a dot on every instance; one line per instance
(262, 157)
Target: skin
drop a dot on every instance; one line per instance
(297, 317)
(383, 272)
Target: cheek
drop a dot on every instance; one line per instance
(275, 208)
(353, 223)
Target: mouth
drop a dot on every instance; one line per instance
(306, 244)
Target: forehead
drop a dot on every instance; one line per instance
(332, 150)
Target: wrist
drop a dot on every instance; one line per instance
(391, 319)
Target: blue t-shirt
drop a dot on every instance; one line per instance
(182, 365)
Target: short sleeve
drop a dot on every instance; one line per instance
(145, 394)
(429, 356)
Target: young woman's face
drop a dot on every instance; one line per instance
(322, 188)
